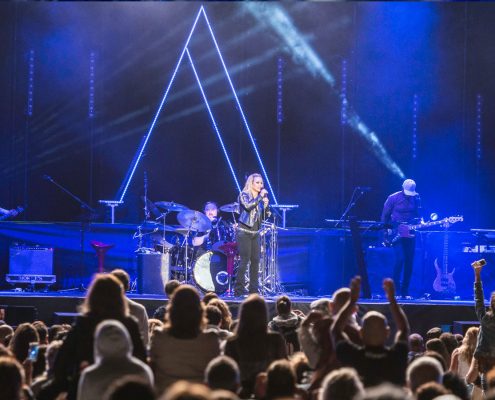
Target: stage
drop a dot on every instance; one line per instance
(62, 307)
(311, 261)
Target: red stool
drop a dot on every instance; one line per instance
(101, 249)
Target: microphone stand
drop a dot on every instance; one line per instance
(85, 222)
(356, 195)
(83, 204)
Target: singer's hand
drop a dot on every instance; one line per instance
(263, 193)
(265, 202)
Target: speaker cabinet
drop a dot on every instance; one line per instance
(30, 260)
(153, 272)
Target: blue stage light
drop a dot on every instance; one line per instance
(215, 126)
(30, 93)
(343, 95)
(125, 185)
(267, 180)
(280, 80)
(414, 144)
(91, 100)
(144, 142)
(274, 15)
(479, 130)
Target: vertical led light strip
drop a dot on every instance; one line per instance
(91, 100)
(240, 108)
(414, 143)
(280, 114)
(213, 121)
(139, 153)
(30, 93)
(280, 79)
(343, 95)
(479, 130)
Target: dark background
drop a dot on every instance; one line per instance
(442, 53)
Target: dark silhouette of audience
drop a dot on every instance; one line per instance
(198, 352)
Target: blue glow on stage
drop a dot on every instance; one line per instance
(215, 126)
(139, 154)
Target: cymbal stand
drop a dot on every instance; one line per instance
(186, 254)
(139, 236)
(163, 216)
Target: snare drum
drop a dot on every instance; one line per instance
(210, 272)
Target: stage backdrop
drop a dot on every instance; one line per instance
(335, 95)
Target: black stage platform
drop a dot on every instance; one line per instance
(60, 307)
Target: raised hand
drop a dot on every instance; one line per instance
(389, 288)
(478, 265)
(355, 288)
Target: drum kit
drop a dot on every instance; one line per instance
(209, 266)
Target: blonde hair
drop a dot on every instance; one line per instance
(466, 350)
(249, 182)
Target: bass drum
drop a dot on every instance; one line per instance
(210, 272)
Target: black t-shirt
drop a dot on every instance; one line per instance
(375, 365)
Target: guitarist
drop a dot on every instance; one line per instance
(402, 207)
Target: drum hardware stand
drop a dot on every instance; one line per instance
(164, 238)
(112, 204)
(139, 235)
(186, 253)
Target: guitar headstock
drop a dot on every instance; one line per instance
(453, 220)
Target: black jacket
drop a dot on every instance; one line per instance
(252, 209)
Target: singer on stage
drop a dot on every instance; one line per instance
(253, 203)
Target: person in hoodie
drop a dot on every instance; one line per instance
(286, 322)
(113, 359)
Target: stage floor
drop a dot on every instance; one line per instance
(57, 307)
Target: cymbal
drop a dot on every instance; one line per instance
(194, 220)
(171, 206)
(231, 207)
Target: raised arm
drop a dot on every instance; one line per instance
(398, 314)
(308, 343)
(479, 298)
(346, 311)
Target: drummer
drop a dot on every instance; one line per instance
(205, 240)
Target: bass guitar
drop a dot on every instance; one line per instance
(408, 231)
(444, 282)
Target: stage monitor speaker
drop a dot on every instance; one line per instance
(153, 272)
(30, 260)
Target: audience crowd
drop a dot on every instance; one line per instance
(193, 349)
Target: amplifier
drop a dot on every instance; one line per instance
(31, 279)
(153, 272)
(30, 260)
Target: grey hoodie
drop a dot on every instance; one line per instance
(113, 360)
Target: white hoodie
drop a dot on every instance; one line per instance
(113, 360)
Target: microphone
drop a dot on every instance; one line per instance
(363, 188)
